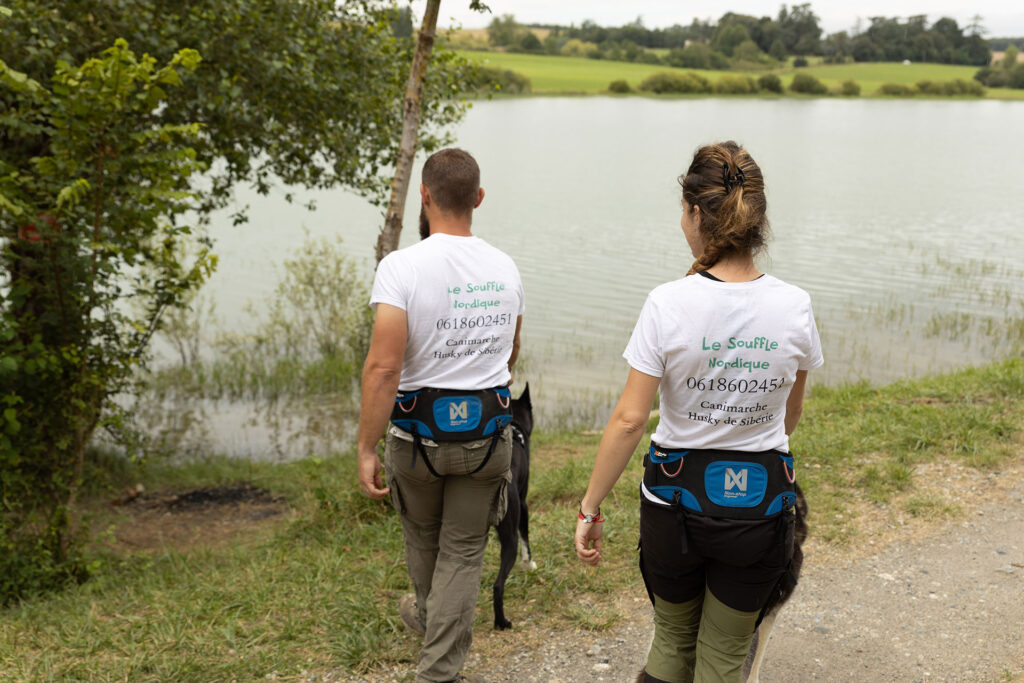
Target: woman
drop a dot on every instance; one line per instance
(729, 348)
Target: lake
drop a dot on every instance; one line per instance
(902, 218)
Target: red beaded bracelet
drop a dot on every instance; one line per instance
(592, 519)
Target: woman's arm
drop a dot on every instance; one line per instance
(795, 402)
(622, 434)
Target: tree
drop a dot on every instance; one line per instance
(99, 154)
(387, 241)
(1010, 57)
(778, 50)
(95, 262)
(294, 92)
(504, 31)
(401, 25)
(728, 37)
(800, 30)
(748, 51)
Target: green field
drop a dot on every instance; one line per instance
(579, 75)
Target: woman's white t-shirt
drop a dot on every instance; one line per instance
(727, 354)
(462, 297)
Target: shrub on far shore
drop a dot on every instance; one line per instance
(896, 90)
(958, 87)
(735, 85)
(799, 62)
(684, 83)
(849, 88)
(488, 79)
(620, 86)
(807, 84)
(770, 83)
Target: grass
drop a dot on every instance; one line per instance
(317, 592)
(579, 75)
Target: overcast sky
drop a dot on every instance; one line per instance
(1000, 17)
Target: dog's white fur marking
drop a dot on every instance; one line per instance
(764, 632)
(524, 554)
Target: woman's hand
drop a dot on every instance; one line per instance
(588, 542)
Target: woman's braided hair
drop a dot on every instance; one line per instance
(727, 185)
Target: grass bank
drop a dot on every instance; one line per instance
(316, 591)
(551, 75)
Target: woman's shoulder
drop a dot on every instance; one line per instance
(673, 287)
(782, 286)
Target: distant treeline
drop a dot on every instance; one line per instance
(794, 31)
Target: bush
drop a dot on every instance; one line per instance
(1016, 79)
(530, 43)
(619, 86)
(85, 284)
(748, 51)
(770, 83)
(799, 62)
(648, 57)
(489, 79)
(896, 90)
(719, 61)
(578, 48)
(808, 84)
(998, 79)
(849, 88)
(667, 82)
(735, 85)
(954, 88)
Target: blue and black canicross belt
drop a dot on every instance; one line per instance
(452, 415)
(722, 483)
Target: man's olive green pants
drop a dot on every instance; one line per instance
(445, 521)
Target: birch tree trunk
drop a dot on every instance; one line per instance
(387, 241)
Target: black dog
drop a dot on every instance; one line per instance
(752, 667)
(514, 528)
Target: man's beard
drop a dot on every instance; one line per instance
(424, 224)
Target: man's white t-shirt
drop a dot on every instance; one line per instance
(462, 297)
(727, 354)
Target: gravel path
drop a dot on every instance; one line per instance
(945, 606)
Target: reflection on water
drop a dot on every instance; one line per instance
(901, 218)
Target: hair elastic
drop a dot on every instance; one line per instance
(732, 180)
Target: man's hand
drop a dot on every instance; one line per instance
(369, 476)
(381, 374)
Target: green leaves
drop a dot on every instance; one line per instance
(92, 268)
(302, 93)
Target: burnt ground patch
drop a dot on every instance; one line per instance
(195, 517)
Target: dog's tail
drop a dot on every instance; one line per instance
(787, 584)
(782, 592)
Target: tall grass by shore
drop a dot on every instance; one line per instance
(316, 592)
(578, 75)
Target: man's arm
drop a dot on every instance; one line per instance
(515, 343)
(381, 374)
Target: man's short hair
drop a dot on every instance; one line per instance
(453, 178)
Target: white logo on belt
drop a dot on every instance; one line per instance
(458, 411)
(735, 479)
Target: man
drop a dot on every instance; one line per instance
(449, 311)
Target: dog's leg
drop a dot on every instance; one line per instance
(507, 537)
(760, 645)
(524, 538)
